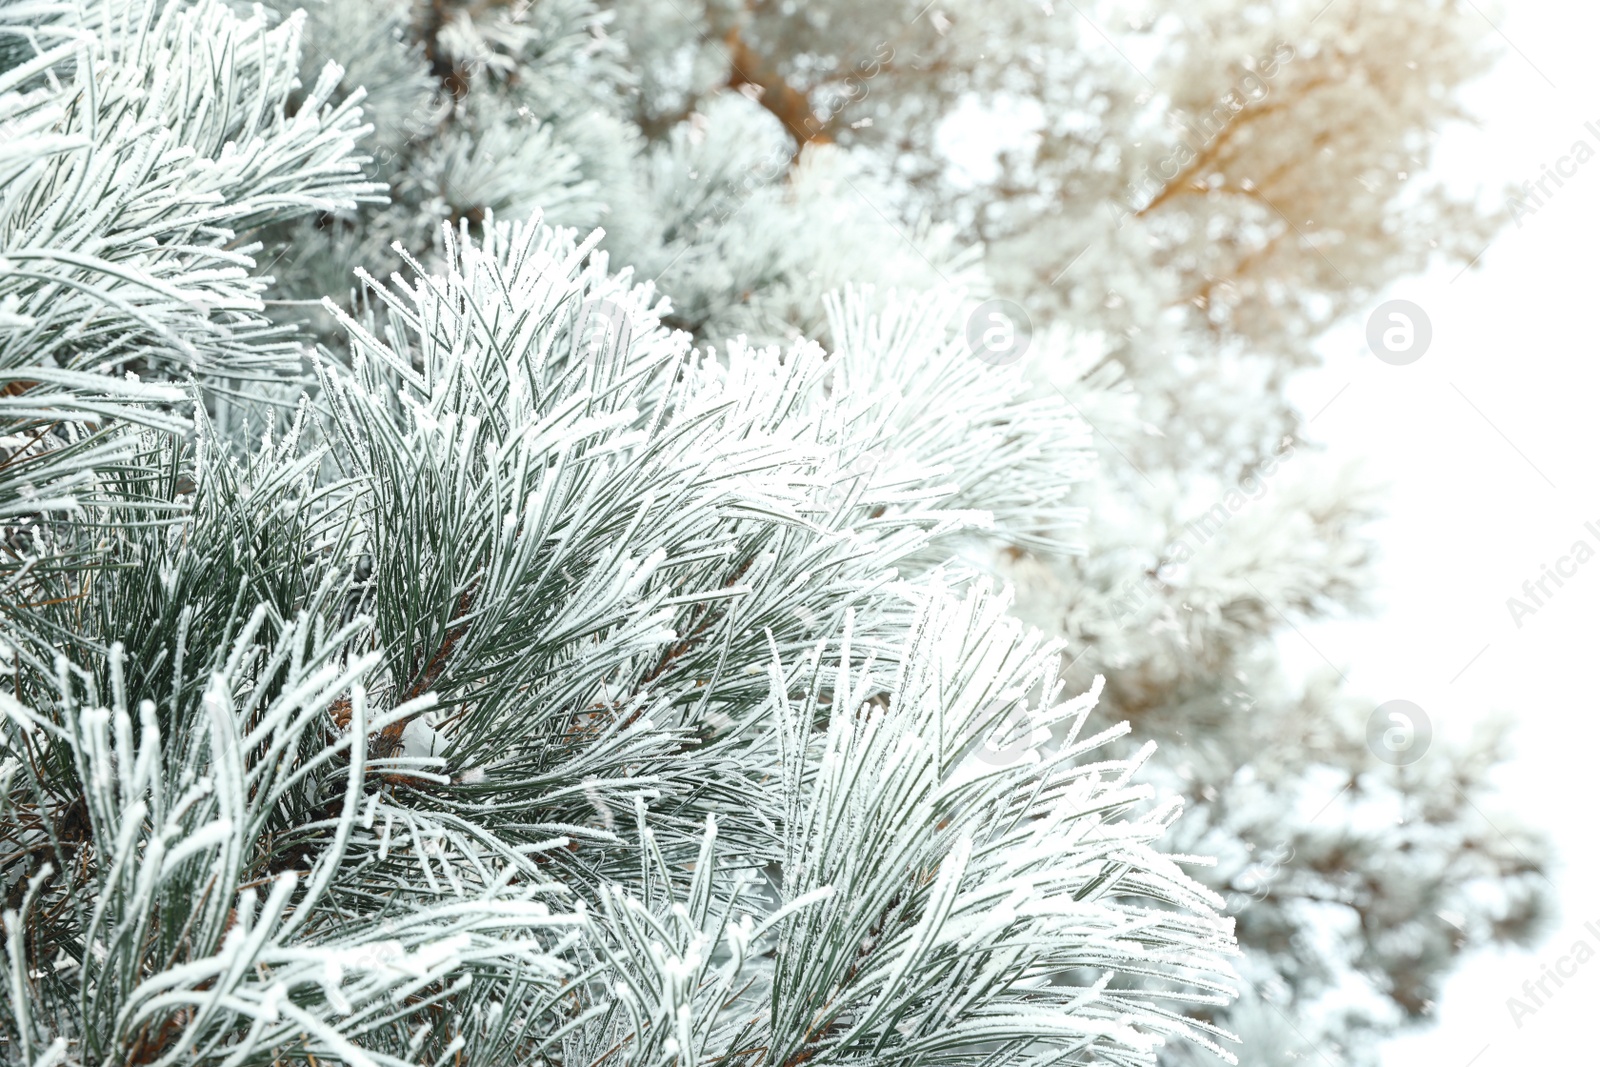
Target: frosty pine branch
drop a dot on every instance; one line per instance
(542, 689)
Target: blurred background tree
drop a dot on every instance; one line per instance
(1178, 200)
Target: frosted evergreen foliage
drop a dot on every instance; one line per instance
(541, 687)
(637, 737)
(143, 144)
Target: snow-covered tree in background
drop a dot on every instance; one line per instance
(534, 687)
(514, 493)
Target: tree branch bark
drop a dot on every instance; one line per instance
(789, 105)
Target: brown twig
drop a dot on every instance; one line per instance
(789, 105)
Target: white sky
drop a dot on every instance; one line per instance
(1481, 499)
(1488, 444)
